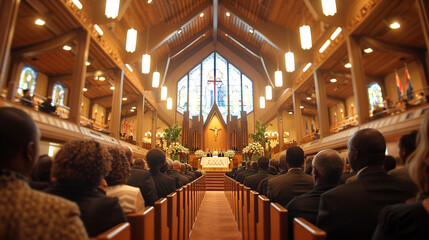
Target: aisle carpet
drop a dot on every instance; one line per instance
(215, 220)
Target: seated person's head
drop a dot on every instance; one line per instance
(328, 166)
(366, 147)
(121, 169)
(308, 165)
(294, 157)
(155, 158)
(263, 163)
(183, 166)
(274, 163)
(19, 141)
(128, 153)
(254, 165)
(176, 165)
(282, 162)
(169, 163)
(389, 163)
(164, 168)
(139, 162)
(42, 170)
(84, 161)
(407, 145)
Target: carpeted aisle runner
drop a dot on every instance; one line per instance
(215, 220)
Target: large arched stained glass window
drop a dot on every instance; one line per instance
(216, 80)
(182, 94)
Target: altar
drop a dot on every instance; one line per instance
(215, 163)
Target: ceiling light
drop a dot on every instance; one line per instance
(333, 80)
(228, 14)
(133, 107)
(348, 65)
(39, 22)
(202, 14)
(325, 45)
(290, 61)
(395, 25)
(308, 98)
(290, 113)
(129, 67)
(336, 33)
(149, 1)
(269, 92)
(302, 107)
(67, 47)
(132, 110)
(98, 29)
(262, 102)
(112, 8)
(226, 35)
(155, 79)
(278, 78)
(163, 93)
(305, 35)
(131, 40)
(124, 99)
(306, 67)
(169, 103)
(250, 30)
(179, 31)
(87, 63)
(77, 3)
(101, 78)
(112, 88)
(85, 89)
(368, 50)
(329, 7)
(146, 63)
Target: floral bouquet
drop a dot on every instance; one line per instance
(253, 151)
(230, 153)
(200, 153)
(178, 152)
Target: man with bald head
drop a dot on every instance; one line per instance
(350, 211)
(327, 167)
(173, 171)
(26, 213)
(142, 179)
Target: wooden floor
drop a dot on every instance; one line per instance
(215, 220)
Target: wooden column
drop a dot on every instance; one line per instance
(423, 8)
(115, 117)
(280, 126)
(298, 116)
(79, 72)
(244, 130)
(422, 65)
(153, 131)
(14, 74)
(8, 16)
(358, 79)
(185, 130)
(140, 115)
(322, 103)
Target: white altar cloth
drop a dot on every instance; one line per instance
(215, 162)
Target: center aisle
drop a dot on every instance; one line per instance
(215, 220)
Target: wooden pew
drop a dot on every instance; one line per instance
(180, 213)
(142, 224)
(246, 206)
(253, 214)
(185, 212)
(173, 220)
(263, 225)
(279, 222)
(304, 230)
(161, 219)
(240, 208)
(121, 231)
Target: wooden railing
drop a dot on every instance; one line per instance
(258, 219)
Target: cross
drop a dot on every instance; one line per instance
(214, 86)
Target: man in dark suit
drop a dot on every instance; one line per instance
(221, 154)
(295, 182)
(244, 166)
(252, 170)
(327, 167)
(350, 211)
(142, 179)
(164, 184)
(406, 145)
(209, 154)
(252, 181)
(172, 171)
(263, 185)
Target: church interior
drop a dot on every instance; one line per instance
(214, 75)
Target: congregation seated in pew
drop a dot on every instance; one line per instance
(253, 180)
(142, 179)
(164, 184)
(173, 171)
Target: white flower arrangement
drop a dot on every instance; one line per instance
(230, 153)
(200, 153)
(176, 148)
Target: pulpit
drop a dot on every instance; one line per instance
(215, 163)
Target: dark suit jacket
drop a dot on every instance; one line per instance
(191, 174)
(284, 188)
(263, 184)
(221, 154)
(142, 179)
(239, 171)
(306, 206)
(187, 176)
(180, 179)
(403, 221)
(98, 212)
(240, 177)
(253, 180)
(350, 211)
(164, 184)
(197, 174)
(209, 154)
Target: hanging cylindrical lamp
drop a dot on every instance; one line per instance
(112, 8)
(131, 40)
(169, 103)
(290, 61)
(305, 34)
(278, 78)
(163, 93)
(268, 92)
(155, 79)
(146, 63)
(262, 102)
(329, 7)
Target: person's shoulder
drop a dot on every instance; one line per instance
(50, 201)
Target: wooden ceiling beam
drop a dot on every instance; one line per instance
(123, 106)
(45, 46)
(389, 47)
(215, 19)
(240, 41)
(160, 33)
(189, 42)
(315, 9)
(349, 76)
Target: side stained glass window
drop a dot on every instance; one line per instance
(247, 94)
(58, 94)
(234, 91)
(195, 91)
(27, 80)
(208, 85)
(182, 94)
(222, 85)
(375, 95)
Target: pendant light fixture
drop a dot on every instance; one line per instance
(329, 7)
(268, 92)
(290, 61)
(278, 78)
(163, 93)
(169, 103)
(131, 40)
(112, 8)
(305, 34)
(155, 79)
(146, 63)
(261, 102)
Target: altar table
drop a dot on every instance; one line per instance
(215, 163)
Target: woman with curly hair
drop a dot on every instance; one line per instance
(130, 198)
(78, 168)
(410, 221)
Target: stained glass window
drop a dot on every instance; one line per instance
(234, 91)
(27, 80)
(375, 95)
(182, 94)
(208, 86)
(247, 94)
(58, 94)
(195, 91)
(221, 85)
